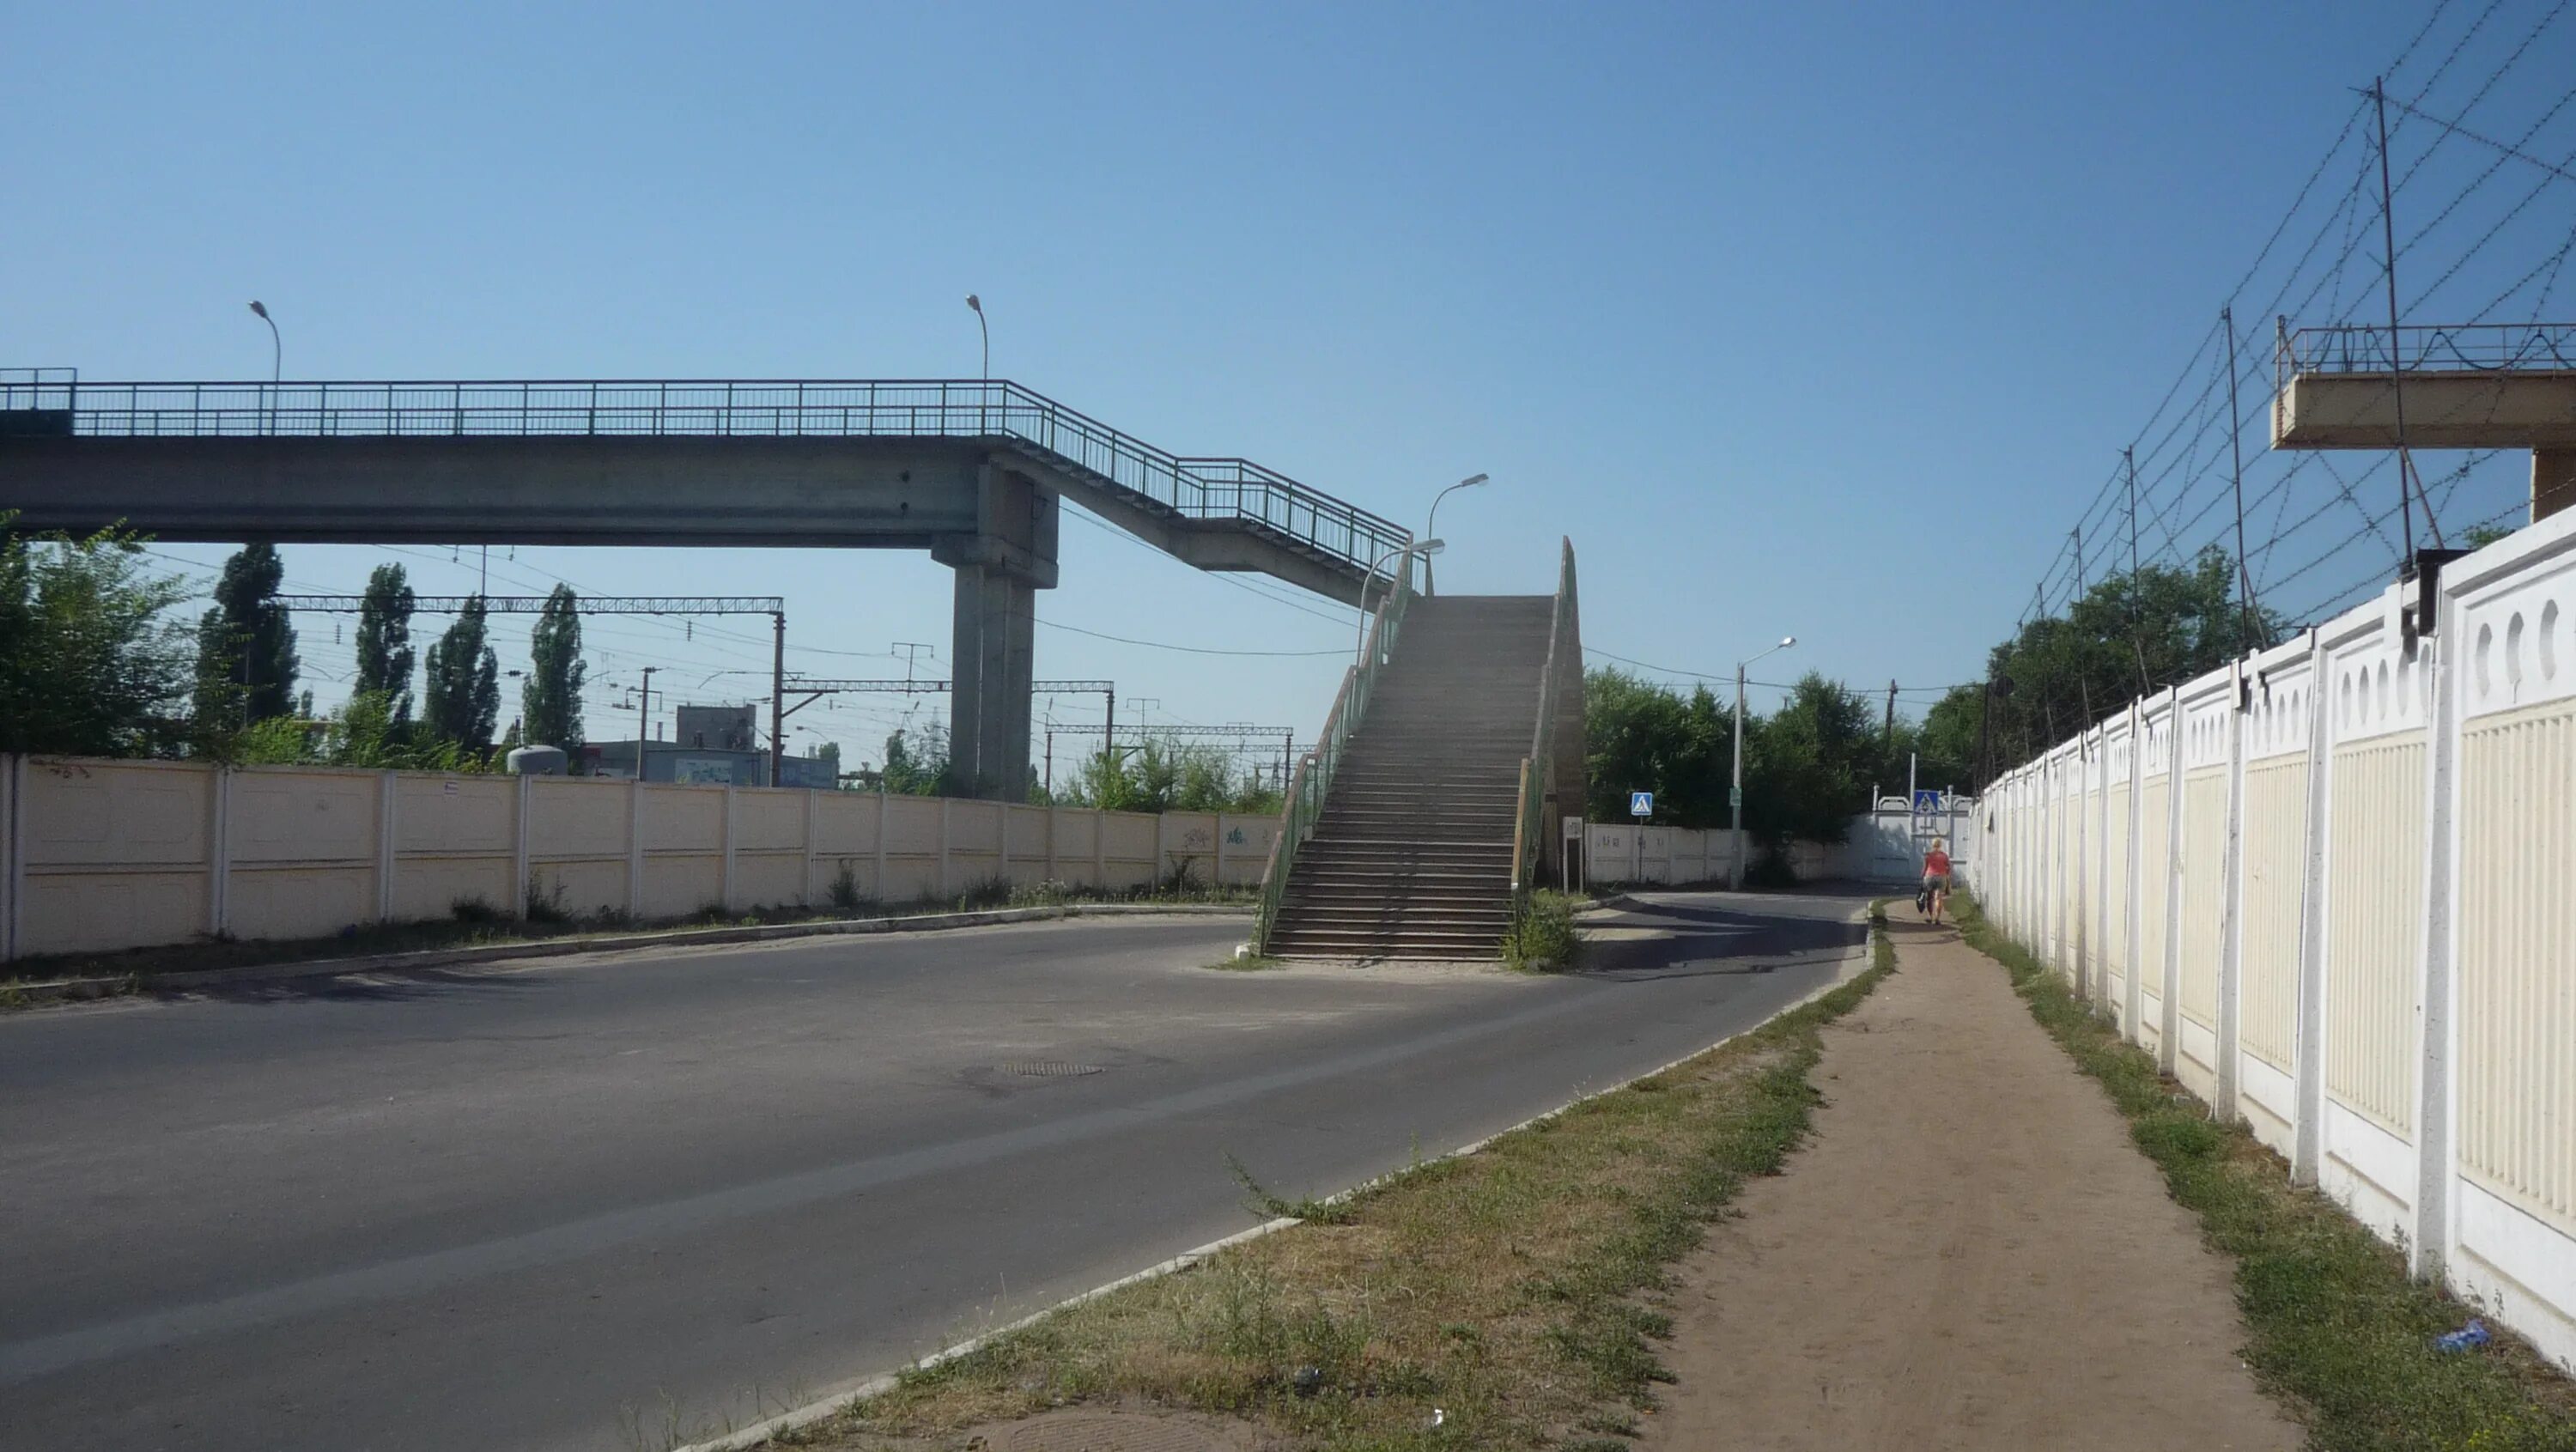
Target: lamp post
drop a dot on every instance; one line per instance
(1735, 798)
(983, 395)
(1431, 527)
(276, 359)
(1426, 548)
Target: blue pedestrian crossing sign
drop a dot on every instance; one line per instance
(1641, 804)
(1927, 804)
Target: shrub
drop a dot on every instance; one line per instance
(1542, 937)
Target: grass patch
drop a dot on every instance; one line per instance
(2335, 1324)
(1542, 937)
(1503, 1288)
(1255, 963)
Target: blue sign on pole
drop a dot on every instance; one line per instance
(1927, 804)
(1641, 804)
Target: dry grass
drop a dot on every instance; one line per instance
(1502, 1289)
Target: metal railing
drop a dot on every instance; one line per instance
(1232, 491)
(1313, 781)
(1538, 769)
(2467, 348)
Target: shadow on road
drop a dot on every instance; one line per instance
(1699, 940)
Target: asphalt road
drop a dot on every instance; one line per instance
(619, 1200)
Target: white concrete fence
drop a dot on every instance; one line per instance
(2330, 887)
(102, 855)
(1879, 847)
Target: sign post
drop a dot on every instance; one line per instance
(1641, 805)
(1574, 843)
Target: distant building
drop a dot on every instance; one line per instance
(725, 728)
(711, 745)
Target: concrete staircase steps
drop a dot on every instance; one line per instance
(1412, 857)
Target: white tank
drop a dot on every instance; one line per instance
(537, 761)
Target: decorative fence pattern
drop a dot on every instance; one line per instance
(103, 855)
(2351, 927)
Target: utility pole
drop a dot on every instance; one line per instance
(2407, 485)
(643, 722)
(2129, 465)
(2236, 453)
(1890, 743)
(777, 698)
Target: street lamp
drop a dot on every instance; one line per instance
(1431, 527)
(983, 401)
(1427, 548)
(276, 359)
(1735, 798)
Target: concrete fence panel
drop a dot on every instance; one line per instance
(2347, 896)
(1131, 850)
(110, 854)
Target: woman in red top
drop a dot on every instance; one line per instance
(1936, 879)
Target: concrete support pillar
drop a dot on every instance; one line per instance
(1000, 569)
(2553, 481)
(989, 705)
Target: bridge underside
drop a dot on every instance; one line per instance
(982, 506)
(2497, 409)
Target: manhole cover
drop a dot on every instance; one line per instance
(1049, 1069)
(1107, 1432)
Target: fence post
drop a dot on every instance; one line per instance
(219, 855)
(2133, 922)
(2097, 869)
(2169, 972)
(1055, 815)
(2084, 950)
(635, 844)
(388, 796)
(805, 896)
(2231, 904)
(13, 866)
(877, 886)
(2429, 1249)
(724, 881)
(2309, 1057)
(947, 807)
(519, 849)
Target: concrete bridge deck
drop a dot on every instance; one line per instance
(971, 470)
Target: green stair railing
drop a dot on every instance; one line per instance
(1538, 769)
(1313, 782)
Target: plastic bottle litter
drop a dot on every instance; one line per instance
(2473, 1334)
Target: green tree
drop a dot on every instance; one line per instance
(2124, 637)
(550, 702)
(245, 645)
(1641, 736)
(462, 702)
(914, 766)
(86, 665)
(385, 655)
(1808, 769)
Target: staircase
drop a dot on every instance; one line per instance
(1412, 855)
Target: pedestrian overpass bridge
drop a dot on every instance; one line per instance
(971, 470)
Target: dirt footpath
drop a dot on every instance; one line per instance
(1969, 1254)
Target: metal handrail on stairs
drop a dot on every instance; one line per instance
(1529, 834)
(1314, 779)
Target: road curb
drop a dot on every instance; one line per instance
(841, 1399)
(106, 987)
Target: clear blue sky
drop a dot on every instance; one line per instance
(1828, 319)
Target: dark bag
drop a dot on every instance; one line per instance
(1923, 898)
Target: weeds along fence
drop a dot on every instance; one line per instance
(103, 855)
(2333, 888)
